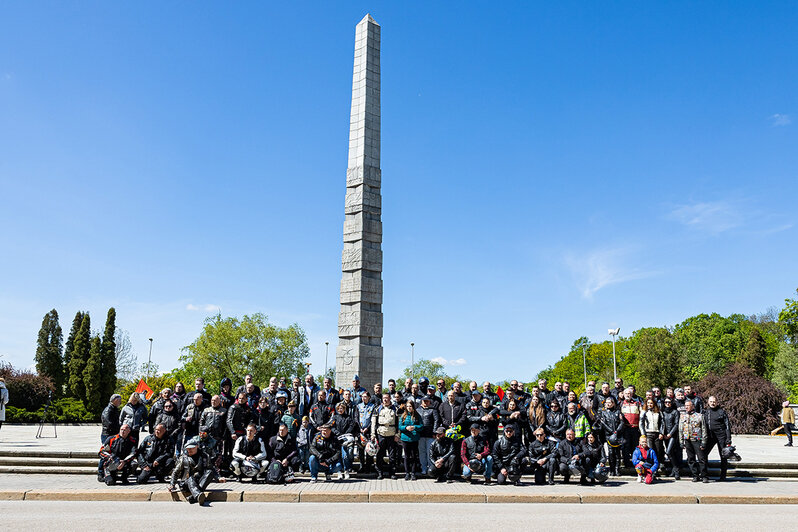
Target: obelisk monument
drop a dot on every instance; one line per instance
(359, 349)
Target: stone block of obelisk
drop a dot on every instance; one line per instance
(359, 350)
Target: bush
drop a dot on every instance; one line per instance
(752, 402)
(26, 389)
(61, 411)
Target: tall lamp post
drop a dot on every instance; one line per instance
(412, 361)
(149, 361)
(614, 334)
(584, 359)
(326, 352)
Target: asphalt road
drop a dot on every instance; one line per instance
(119, 516)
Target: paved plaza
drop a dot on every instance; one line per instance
(84, 438)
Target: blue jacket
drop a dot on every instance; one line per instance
(408, 421)
(650, 462)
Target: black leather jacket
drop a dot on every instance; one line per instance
(670, 422)
(326, 449)
(565, 451)
(609, 421)
(541, 450)
(282, 448)
(718, 421)
(154, 449)
(442, 448)
(344, 424)
(451, 414)
(506, 452)
(214, 421)
(170, 421)
(430, 420)
(110, 419)
(555, 424)
(238, 417)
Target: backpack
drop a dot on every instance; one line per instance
(275, 472)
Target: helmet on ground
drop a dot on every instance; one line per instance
(372, 448)
(601, 473)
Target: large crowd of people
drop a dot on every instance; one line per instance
(422, 429)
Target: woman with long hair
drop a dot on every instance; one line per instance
(534, 418)
(652, 427)
(410, 432)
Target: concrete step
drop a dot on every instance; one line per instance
(47, 461)
(19, 453)
(49, 470)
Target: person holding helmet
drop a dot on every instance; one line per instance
(507, 454)
(475, 453)
(610, 423)
(249, 455)
(192, 472)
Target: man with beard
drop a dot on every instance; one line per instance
(444, 462)
(693, 436)
(507, 454)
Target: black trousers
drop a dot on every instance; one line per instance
(788, 428)
(632, 438)
(719, 439)
(513, 473)
(674, 452)
(448, 470)
(159, 471)
(541, 472)
(696, 459)
(389, 448)
(412, 464)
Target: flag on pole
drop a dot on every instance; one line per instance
(142, 388)
(500, 393)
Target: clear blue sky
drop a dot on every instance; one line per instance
(550, 169)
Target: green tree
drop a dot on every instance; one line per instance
(785, 368)
(80, 355)
(788, 318)
(755, 353)
(659, 358)
(710, 342)
(93, 377)
(229, 347)
(108, 358)
(49, 347)
(432, 370)
(70, 343)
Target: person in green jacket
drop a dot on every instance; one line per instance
(410, 432)
(577, 421)
(291, 419)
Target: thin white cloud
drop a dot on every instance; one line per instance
(444, 362)
(712, 216)
(604, 267)
(778, 120)
(203, 308)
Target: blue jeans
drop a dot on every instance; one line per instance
(487, 462)
(423, 453)
(315, 467)
(347, 457)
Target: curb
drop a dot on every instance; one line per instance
(388, 496)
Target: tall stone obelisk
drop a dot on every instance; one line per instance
(359, 349)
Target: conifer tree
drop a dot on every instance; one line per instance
(77, 362)
(93, 378)
(49, 347)
(70, 343)
(108, 360)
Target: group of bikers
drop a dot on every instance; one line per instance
(446, 433)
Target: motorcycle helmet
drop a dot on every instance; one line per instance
(476, 466)
(601, 473)
(372, 448)
(614, 440)
(453, 434)
(250, 469)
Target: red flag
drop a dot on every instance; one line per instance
(146, 390)
(500, 393)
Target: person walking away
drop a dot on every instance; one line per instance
(787, 421)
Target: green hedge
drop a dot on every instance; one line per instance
(61, 411)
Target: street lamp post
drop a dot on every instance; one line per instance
(614, 333)
(149, 361)
(412, 361)
(584, 359)
(326, 352)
